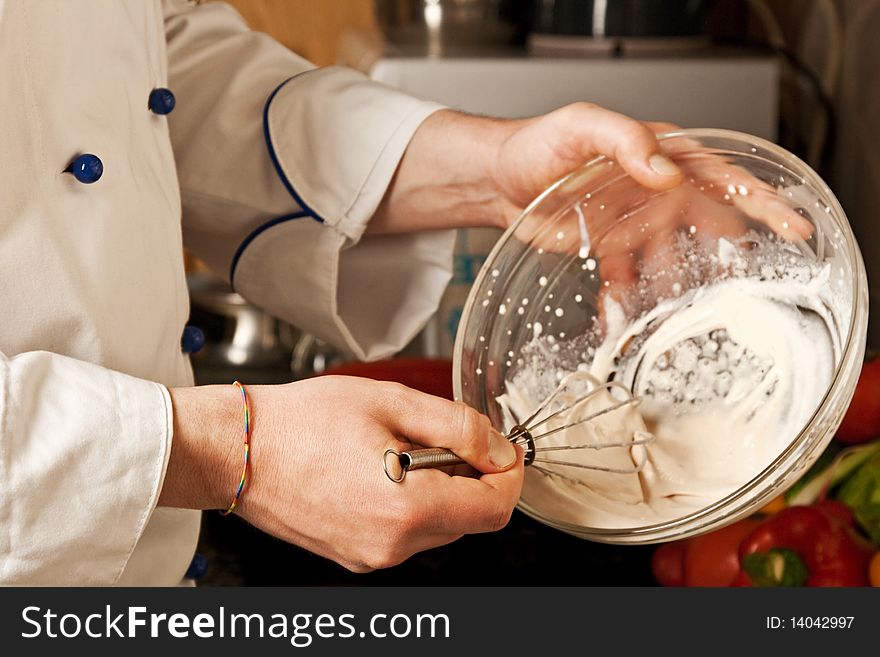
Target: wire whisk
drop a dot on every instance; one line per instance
(573, 412)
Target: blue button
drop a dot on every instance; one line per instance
(86, 168)
(161, 101)
(192, 340)
(198, 567)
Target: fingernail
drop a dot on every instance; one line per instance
(663, 165)
(501, 451)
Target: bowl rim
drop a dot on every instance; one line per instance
(787, 461)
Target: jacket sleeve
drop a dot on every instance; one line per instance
(83, 452)
(281, 166)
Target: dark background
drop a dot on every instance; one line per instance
(523, 553)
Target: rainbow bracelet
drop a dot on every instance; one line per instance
(247, 449)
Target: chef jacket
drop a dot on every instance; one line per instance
(277, 167)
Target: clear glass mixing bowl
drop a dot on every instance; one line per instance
(597, 232)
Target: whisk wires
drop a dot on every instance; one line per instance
(523, 433)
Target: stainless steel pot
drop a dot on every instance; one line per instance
(240, 336)
(438, 27)
(621, 18)
(237, 333)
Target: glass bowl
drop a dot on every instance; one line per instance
(598, 233)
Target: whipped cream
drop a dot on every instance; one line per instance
(728, 374)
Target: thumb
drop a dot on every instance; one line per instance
(628, 141)
(435, 422)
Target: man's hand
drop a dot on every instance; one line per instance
(538, 152)
(462, 170)
(317, 478)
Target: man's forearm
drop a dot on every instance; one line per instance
(445, 178)
(206, 448)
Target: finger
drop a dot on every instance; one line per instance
(714, 221)
(464, 470)
(660, 265)
(757, 199)
(776, 214)
(658, 127)
(629, 142)
(435, 422)
(752, 196)
(618, 269)
(462, 505)
(659, 216)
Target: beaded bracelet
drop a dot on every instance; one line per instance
(247, 449)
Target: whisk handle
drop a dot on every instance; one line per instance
(397, 464)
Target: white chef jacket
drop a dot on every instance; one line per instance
(277, 166)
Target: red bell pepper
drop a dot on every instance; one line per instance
(712, 559)
(804, 545)
(862, 420)
(837, 510)
(667, 564)
(708, 560)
